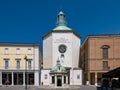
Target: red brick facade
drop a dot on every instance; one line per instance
(99, 54)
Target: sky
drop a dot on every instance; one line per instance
(28, 20)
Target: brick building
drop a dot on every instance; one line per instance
(99, 54)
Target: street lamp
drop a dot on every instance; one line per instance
(26, 71)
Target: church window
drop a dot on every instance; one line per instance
(62, 48)
(62, 55)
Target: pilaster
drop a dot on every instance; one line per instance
(62, 80)
(95, 78)
(23, 78)
(0, 78)
(36, 78)
(55, 80)
(12, 79)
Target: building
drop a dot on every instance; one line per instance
(13, 66)
(99, 54)
(61, 50)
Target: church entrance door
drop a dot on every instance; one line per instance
(59, 81)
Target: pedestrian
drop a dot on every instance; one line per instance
(7, 82)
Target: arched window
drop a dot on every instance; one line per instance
(105, 51)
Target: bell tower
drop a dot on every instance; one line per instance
(61, 19)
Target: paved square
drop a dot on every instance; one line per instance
(47, 88)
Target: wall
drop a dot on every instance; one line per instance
(95, 54)
(12, 56)
(45, 77)
(47, 52)
(37, 65)
(92, 59)
(74, 74)
(66, 39)
(75, 51)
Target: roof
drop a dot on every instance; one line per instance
(61, 12)
(99, 36)
(103, 35)
(61, 22)
(61, 31)
(58, 67)
(18, 44)
(62, 28)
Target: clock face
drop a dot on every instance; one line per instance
(62, 48)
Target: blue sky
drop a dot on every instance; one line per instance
(29, 20)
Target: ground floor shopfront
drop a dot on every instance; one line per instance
(19, 77)
(93, 77)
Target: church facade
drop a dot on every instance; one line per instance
(61, 50)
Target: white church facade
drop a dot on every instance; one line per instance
(61, 51)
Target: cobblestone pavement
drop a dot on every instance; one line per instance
(47, 88)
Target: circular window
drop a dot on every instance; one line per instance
(62, 48)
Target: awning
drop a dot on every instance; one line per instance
(113, 73)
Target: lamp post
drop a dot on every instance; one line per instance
(26, 72)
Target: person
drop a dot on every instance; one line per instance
(42, 83)
(104, 83)
(7, 82)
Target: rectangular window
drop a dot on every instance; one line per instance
(29, 63)
(6, 51)
(17, 50)
(105, 53)
(29, 51)
(6, 63)
(53, 79)
(18, 63)
(105, 64)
